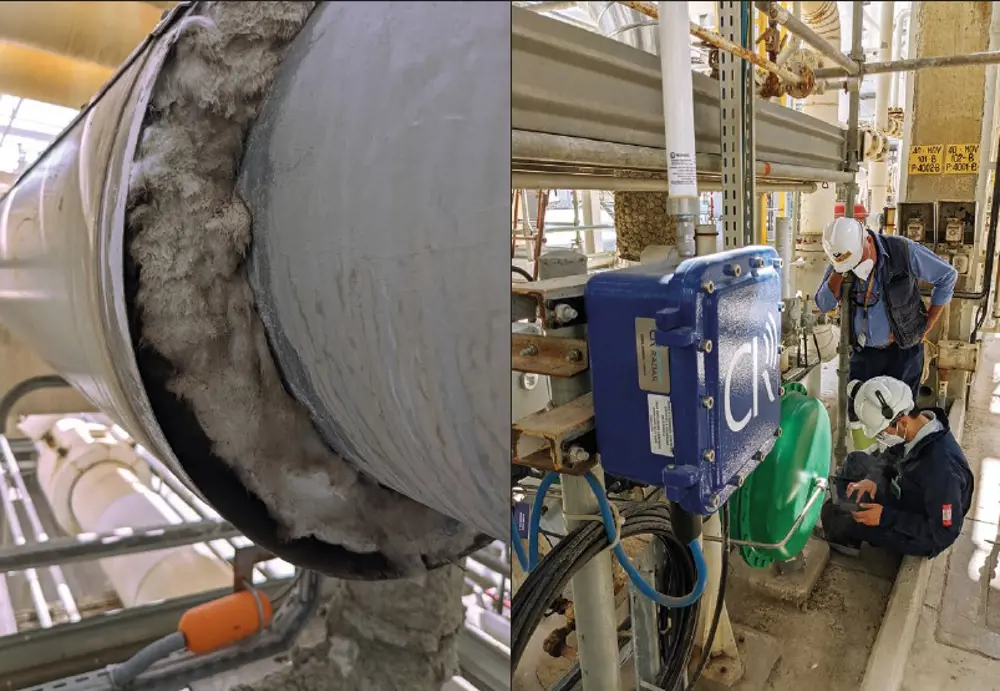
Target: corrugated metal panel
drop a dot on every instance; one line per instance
(572, 82)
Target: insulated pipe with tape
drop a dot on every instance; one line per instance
(358, 425)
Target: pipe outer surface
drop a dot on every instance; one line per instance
(382, 302)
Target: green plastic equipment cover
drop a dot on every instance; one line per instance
(766, 506)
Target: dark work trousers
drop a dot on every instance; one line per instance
(907, 364)
(840, 526)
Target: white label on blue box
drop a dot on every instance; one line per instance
(661, 425)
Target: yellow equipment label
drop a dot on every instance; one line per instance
(926, 160)
(961, 159)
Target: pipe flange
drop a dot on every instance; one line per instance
(806, 87)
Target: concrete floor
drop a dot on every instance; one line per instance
(957, 644)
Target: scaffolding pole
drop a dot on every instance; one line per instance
(991, 57)
(853, 110)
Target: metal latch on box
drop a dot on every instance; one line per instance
(958, 355)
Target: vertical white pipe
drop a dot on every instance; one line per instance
(593, 596)
(879, 170)
(784, 243)
(724, 643)
(592, 240)
(900, 29)
(706, 239)
(794, 42)
(678, 119)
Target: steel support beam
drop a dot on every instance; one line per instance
(852, 162)
(736, 123)
(64, 550)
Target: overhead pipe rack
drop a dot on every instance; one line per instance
(599, 95)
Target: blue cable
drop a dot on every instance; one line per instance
(637, 580)
(534, 527)
(515, 538)
(611, 529)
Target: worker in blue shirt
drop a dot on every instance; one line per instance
(914, 505)
(887, 315)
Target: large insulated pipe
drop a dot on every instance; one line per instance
(96, 484)
(347, 411)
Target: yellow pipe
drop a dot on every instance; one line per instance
(103, 33)
(41, 76)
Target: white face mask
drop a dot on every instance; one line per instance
(886, 440)
(864, 269)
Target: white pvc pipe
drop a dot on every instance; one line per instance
(94, 485)
(724, 643)
(678, 118)
(678, 111)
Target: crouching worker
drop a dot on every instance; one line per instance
(911, 503)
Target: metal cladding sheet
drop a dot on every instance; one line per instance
(375, 188)
(61, 253)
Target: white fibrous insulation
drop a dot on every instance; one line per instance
(190, 234)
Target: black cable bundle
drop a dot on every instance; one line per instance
(548, 580)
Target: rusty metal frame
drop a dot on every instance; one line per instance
(558, 430)
(550, 355)
(551, 291)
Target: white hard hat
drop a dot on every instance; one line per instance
(844, 242)
(879, 403)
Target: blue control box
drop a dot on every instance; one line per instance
(686, 371)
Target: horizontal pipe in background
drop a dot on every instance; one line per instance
(537, 147)
(911, 64)
(562, 181)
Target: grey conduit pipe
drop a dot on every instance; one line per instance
(358, 425)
